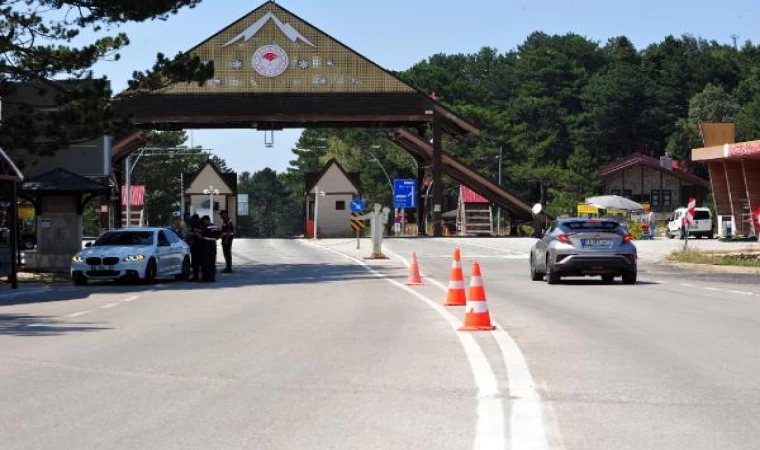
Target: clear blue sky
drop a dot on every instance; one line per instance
(398, 33)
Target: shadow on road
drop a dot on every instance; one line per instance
(29, 325)
(246, 274)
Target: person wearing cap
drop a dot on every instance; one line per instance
(228, 233)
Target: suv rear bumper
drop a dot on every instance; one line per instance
(594, 265)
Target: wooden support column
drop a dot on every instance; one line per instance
(437, 179)
(420, 198)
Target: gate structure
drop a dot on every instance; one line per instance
(274, 70)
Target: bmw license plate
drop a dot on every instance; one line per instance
(596, 243)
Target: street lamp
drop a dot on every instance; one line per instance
(211, 192)
(317, 194)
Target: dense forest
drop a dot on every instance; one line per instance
(557, 106)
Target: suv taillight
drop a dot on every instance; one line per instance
(563, 238)
(627, 238)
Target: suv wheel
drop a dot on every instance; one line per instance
(552, 277)
(535, 275)
(608, 278)
(629, 278)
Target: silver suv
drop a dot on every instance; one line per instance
(584, 247)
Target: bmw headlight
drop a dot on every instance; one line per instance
(134, 258)
(77, 259)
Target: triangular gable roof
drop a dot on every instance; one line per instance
(291, 67)
(312, 179)
(469, 196)
(229, 179)
(303, 59)
(61, 181)
(640, 159)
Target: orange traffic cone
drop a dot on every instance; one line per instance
(477, 318)
(415, 279)
(456, 295)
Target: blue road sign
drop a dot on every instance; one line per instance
(357, 205)
(405, 193)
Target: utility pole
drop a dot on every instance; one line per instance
(498, 210)
(735, 38)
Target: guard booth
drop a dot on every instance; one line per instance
(10, 177)
(334, 213)
(208, 191)
(59, 197)
(137, 206)
(474, 213)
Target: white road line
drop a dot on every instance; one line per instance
(464, 256)
(110, 305)
(741, 292)
(711, 289)
(76, 314)
(527, 419)
(511, 252)
(687, 285)
(661, 282)
(489, 432)
(32, 325)
(131, 298)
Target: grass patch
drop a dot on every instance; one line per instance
(714, 258)
(693, 257)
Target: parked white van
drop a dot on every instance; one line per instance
(702, 225)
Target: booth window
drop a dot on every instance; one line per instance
(655, 197)
(340, 205)
(667, 197)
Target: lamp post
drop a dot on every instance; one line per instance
(317, 194)
(211, 192)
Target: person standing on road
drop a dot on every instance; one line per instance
(210, 235)
(228, 233)
(195, 240)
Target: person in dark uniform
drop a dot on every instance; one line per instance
(195, 240)
(208, 264)
(228, 233)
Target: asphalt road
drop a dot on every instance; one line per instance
(305, 347)
(667, 363)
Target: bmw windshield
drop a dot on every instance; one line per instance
(125, 238)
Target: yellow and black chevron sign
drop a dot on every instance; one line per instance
(357, 225)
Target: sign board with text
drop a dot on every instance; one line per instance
(405, 193)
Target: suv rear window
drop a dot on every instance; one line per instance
(590, 225)
(701, 215)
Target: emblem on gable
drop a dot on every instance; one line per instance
(270, 60)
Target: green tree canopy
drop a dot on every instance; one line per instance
(41, 44)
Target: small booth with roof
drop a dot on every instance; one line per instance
(474, 213)
(59, 197)
(333, 212)
(209, 191)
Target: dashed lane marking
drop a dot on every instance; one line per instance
(76, 314)
(527, 428)
(489, 431)
(131, 298)
(110, 305)
(741, 292)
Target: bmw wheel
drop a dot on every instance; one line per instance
(150, 272)
(186, 268)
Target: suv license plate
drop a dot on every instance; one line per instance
(597, 243)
